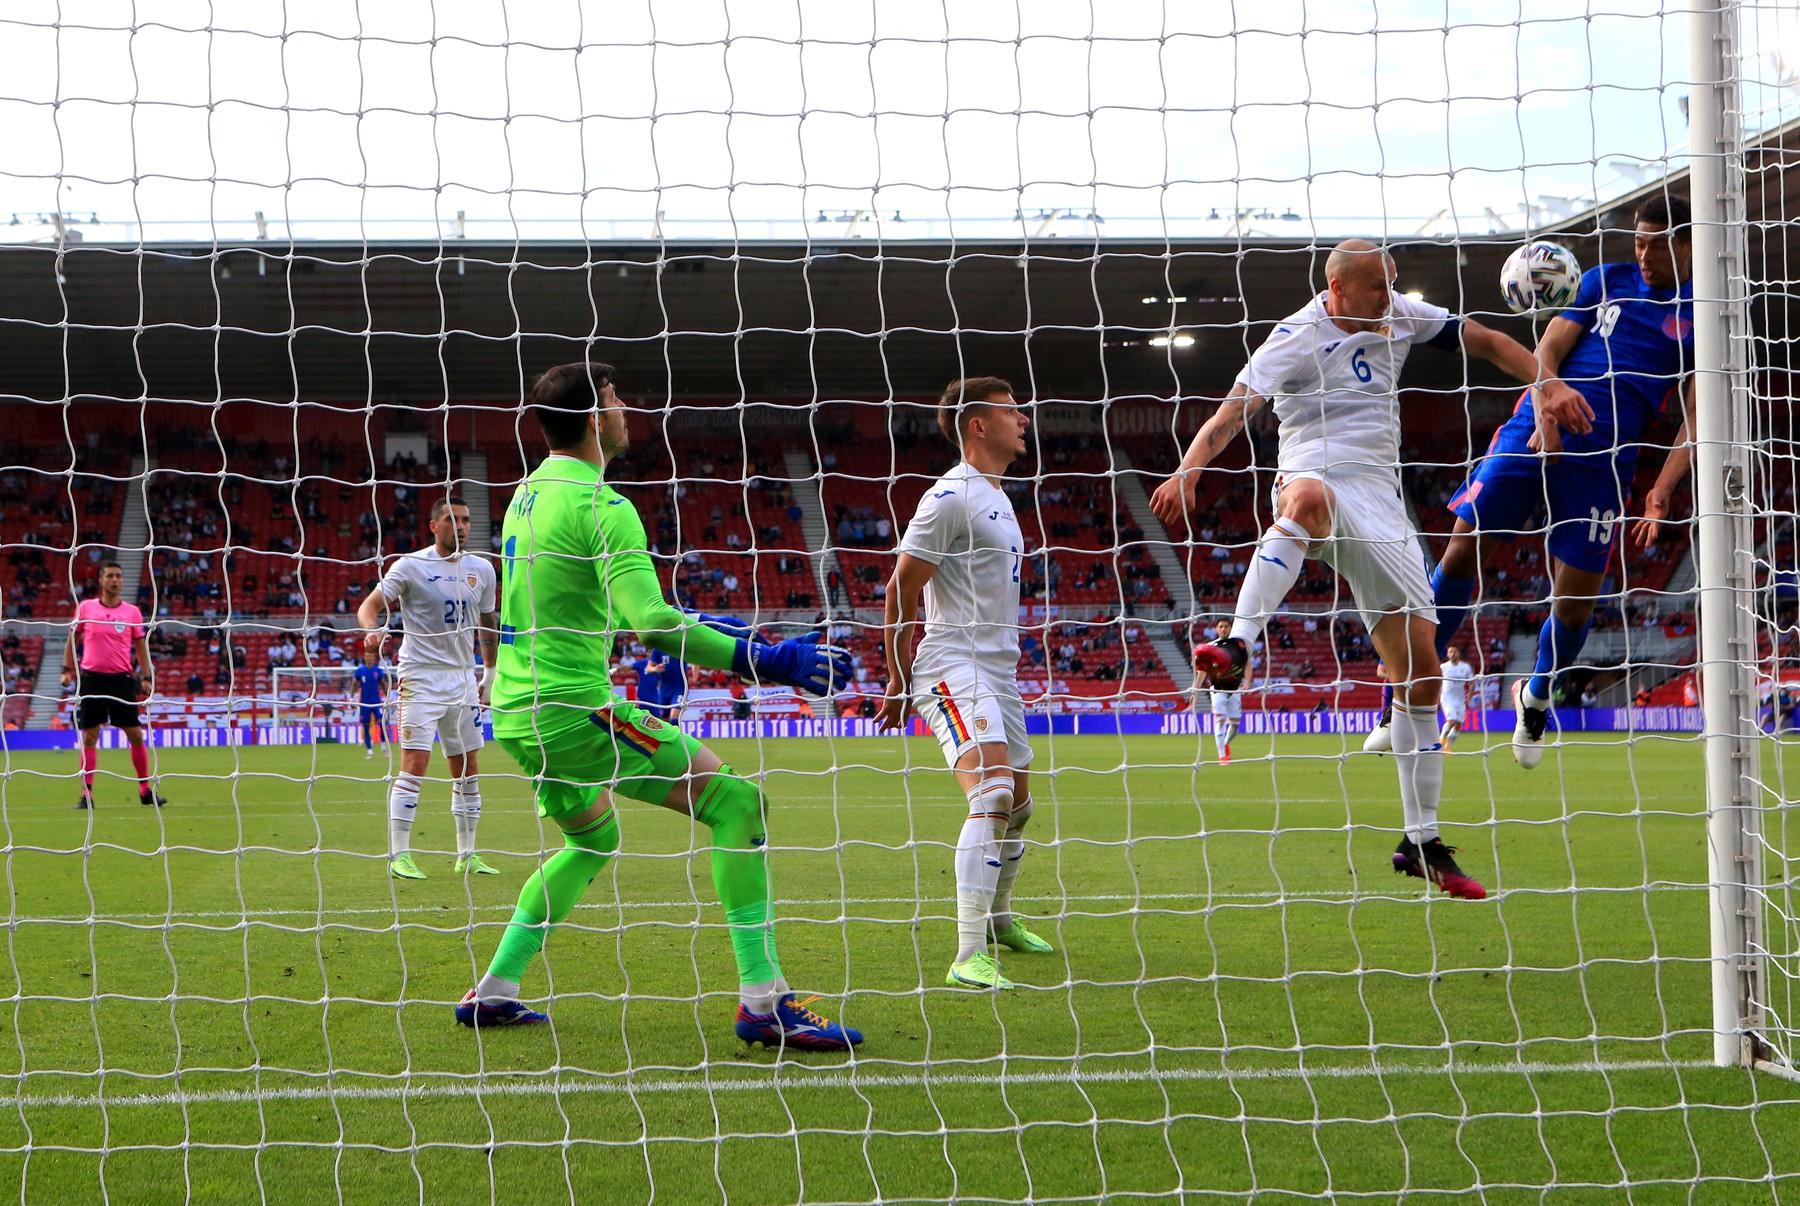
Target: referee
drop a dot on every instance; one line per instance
(109, 631)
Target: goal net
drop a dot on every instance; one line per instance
(278, 282)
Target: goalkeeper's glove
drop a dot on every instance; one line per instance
(801, 662)
(731, 626)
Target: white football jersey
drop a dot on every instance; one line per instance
(1457, 678)
(1336, 392)
(441, 602)
(966, 527)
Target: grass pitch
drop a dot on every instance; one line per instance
(230, 1001)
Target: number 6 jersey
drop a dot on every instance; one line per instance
(1336, 391)
(441, 602)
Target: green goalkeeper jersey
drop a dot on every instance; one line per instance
(575, 571)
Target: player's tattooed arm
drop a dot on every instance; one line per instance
(488, 638)
(1662, 495)
(1175, 498)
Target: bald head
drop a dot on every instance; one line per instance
(1355, 256)
(1358, 281)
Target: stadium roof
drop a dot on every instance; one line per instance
(764, 320)
(410, 323)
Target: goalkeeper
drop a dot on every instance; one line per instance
(576, 570)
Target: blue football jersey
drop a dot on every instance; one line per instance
(667, 686)
(1635, 350)
(369, 679)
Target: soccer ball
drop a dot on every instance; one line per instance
(1540, 276)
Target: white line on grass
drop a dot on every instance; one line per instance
(1326, 894)
(796, 1078)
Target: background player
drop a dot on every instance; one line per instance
(110, 631)
(1459, 677)
(445, 596)
(371, 688)
(1333, 371)
(1625, 344)
(661, 684)
(962, 552)
(1227, 705)
(577, 572)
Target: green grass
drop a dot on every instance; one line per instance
(230, 1001)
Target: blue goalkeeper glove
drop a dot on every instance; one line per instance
(731, 626)
(801, 662)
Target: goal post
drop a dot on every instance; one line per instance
(319, 696)
(1723, 546)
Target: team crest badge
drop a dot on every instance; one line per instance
(406, 733)
(981, 724)
(118, 627)
(1677, 327)
(473, 581)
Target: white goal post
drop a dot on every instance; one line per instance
(324, 696)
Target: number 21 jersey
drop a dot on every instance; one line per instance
(441, 602)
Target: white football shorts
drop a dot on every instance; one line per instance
(964, 709)
(1373, 545)
(445, 704)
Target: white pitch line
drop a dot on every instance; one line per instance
(376, 807)
(1330, 894)
(835, 1079)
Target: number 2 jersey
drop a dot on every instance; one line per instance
(1635, 350)
(965, 526)
(441, 602)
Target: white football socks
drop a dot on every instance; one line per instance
(465, 809)
(1420, 760)
(1274, 569)
(978, 862)
(403, 804)
(1012, 853)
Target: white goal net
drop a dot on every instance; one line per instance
(277, 287)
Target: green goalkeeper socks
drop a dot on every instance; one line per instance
(732, 808)
(552, 892)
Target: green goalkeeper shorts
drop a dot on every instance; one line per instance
(621, 747)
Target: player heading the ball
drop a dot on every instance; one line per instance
(1626, 345)
(1332, 370)
(444, 595)
(576, 572)
(961, 552)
